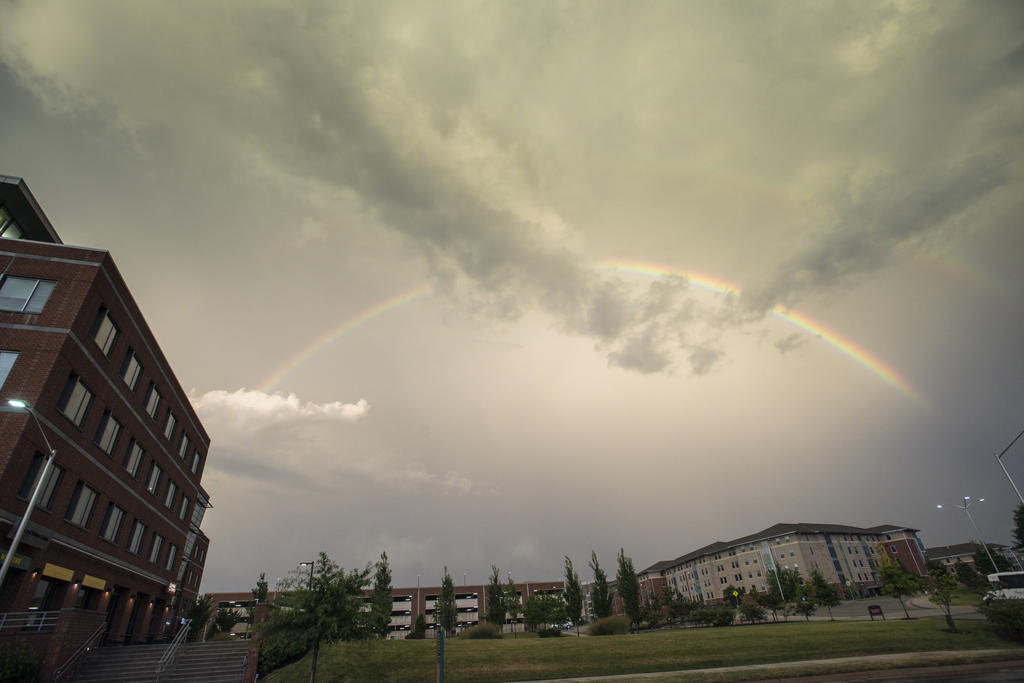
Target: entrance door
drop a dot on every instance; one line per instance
(138, 605)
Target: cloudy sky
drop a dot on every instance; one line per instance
(494, 283)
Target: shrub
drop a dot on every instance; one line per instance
(751, 611)
(482, 632)
(724, 616)
(1006, 615)
(549, 633)
(609, 626)
(419, 629)
(704, 616)
(18, 663)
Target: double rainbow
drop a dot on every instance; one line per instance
(858, 353)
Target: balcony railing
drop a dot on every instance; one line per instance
(21, 622)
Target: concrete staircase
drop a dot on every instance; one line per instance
(220, 662)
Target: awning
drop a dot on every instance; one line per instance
(94, 582)
(58, 572)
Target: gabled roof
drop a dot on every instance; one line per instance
(25, 210)
(774, 531)
(941, 552)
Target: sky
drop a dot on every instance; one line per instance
(493, 283)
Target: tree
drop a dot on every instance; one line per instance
(824, 594)
(771, 600)
(734, 600)
(628, 587)
(1018, 527)
(967, 575)
(419, 629)
(495, 600)
(325, 608)
(943, 585)
(651, 610)
(786, 581)
(223, 621)
(897, 581)
(445, 614)
(984, 565)
(199, 612)
(573, 595)
(513, 604)
(805, 605)
(543, 609)
(259, 597)
(381, 601)
(751, 612)
(600, 595)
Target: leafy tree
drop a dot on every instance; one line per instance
(628, 586)
(513, 604)
(419, 628)
(573, 595)
(495, 599)
(600, 594)
(445, 614)
(789, 579)
(199, 612)
(751, 611)
(967, 575)
(260, 591)
(1018, 527)
(897, 581)
(943, 585)
(984, 565)
(651, 610)
(805, 605)
(223, 621)
(325, 609)
(681, 609)
(824, 594)
(381, 601)
(543, 609)
(734, 600)
(771, 600)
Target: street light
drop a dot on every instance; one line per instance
(310, 565)
(999, 459)
(40, 483)
(966, 508)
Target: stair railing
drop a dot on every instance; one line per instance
(85, 648)
(171, 651)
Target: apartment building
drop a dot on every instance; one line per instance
(115, 536)
(949, 555)
(846, 555)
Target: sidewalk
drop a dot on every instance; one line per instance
(812, 666)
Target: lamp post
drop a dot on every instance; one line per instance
(40, 483)
(999, 459)
(310, 565)
(966, 508)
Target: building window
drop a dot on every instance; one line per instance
(133, 457)
(169, 425)
(9, 229)
(107, 433)
(153, 481)
(28, 484)
(80, 508)
(154, 547)
(183, 512)
(111, 523)
(152, 400)
(135, 538)
(195, 462)
(74, 400)
(172, 491)
(131, 368)
(24, 294)
(103, 331)
(183, 445)
(172, 555)
(7, 359)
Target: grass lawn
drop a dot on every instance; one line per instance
(668, 650)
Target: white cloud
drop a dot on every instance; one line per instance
(244, 405)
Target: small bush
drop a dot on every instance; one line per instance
(703, 616)
(1007, 616)
(609, 626)
(482, 632)
(549, 633)
(419, 629)
(18, 663)
(751, 611)
(724, 616)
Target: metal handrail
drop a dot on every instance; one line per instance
(86, 647)
(28, 621)
(172, 650)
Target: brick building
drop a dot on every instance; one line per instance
(115, 536)
(845, 555)
(949, 555)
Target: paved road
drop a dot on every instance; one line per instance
(918, 606)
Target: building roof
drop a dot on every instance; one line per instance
(15, 195)
(779, 529)
(941, 552)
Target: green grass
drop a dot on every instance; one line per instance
(668, 650)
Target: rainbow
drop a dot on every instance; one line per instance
(859, 354)
(275, 377)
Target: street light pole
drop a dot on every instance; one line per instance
(999, 459)
(966, 508)
(40, 483)
(311, 565)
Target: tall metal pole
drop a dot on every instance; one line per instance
(43, 476)
(999, 459)
(964, 507)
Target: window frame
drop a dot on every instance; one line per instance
(131, 357)
(156, 542)
(28, 482)
(170, 424)
(112, 510)
(150, 406)
(104, 331)
(5, 366)
(136, 537)
(153, 478)
(79, 513)
(67, 396)
(102, 433)
(170, 494)
(32, 304)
